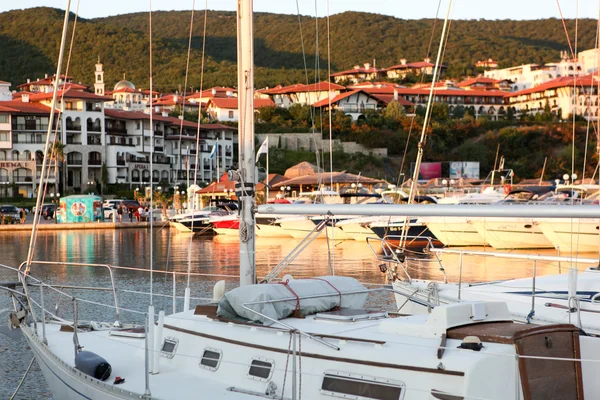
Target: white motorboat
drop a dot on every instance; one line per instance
(454, 231)
(268, 226)
(581, 235)
(512, 233)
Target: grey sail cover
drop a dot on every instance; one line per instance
(231, 304)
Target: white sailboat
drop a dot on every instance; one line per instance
(253, 345)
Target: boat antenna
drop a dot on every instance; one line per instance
(245, 187)
(40, 194)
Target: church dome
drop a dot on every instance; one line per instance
(124, 84)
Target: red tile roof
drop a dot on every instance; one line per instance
(565, 81)
(231, 103)
(69, 94)
(453, 92)
(478, 79)
(355, 71)
(137, 115)
(341, 96)
(388, 98)
(18, 106)
(45, 81)
(302, 88)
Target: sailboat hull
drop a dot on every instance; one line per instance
(64, 381)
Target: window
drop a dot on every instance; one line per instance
(4, 136)
(169, 347)
(211, 359)
(138, 141)
(351, 386)
(261, 369)
(3, 118)
(138, 125)
(230, 114)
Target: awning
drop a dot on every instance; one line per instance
(136, 154)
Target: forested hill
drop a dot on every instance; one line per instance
(29, 45)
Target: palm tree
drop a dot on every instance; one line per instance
(57, 154)
(163, 199)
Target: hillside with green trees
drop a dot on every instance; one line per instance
(524, 140)
(30, 38)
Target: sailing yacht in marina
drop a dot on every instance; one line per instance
(309, 338)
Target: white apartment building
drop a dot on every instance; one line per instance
(564, 94)
(530, 75)
(129, 148)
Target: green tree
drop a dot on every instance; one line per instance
(394, 111)
(104, 178)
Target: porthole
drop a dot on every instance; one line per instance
(261, 369)
(169, 347)
(211, 359)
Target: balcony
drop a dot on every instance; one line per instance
(71, 140)
(95, 162)
(28, 140)
(159, 133)
(94, 140)
(74, 163)
(74, 128)
(92, 128)
(120, 142)
(121, 162)
(159, 149)
(116, 130)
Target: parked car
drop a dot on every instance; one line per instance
(110, 207)
(9, 214)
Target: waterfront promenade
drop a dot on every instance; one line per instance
(50, 225)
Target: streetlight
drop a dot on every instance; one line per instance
(54, 199)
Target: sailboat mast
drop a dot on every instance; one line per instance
(246, 186)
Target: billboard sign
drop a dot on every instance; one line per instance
(464, 169)
(429, 170)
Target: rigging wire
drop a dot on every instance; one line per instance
(312, 112)
(330, 253)
(151, 163)
(36, 216)
(185, 82)
(45, 174)
(412, 121)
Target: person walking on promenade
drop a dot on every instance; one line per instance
(130, 212)
(120, 213)
(22, 215)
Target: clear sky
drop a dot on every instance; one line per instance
(407, 9)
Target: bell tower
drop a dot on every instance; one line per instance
(99, 79)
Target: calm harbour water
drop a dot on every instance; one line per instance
(209, 255)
